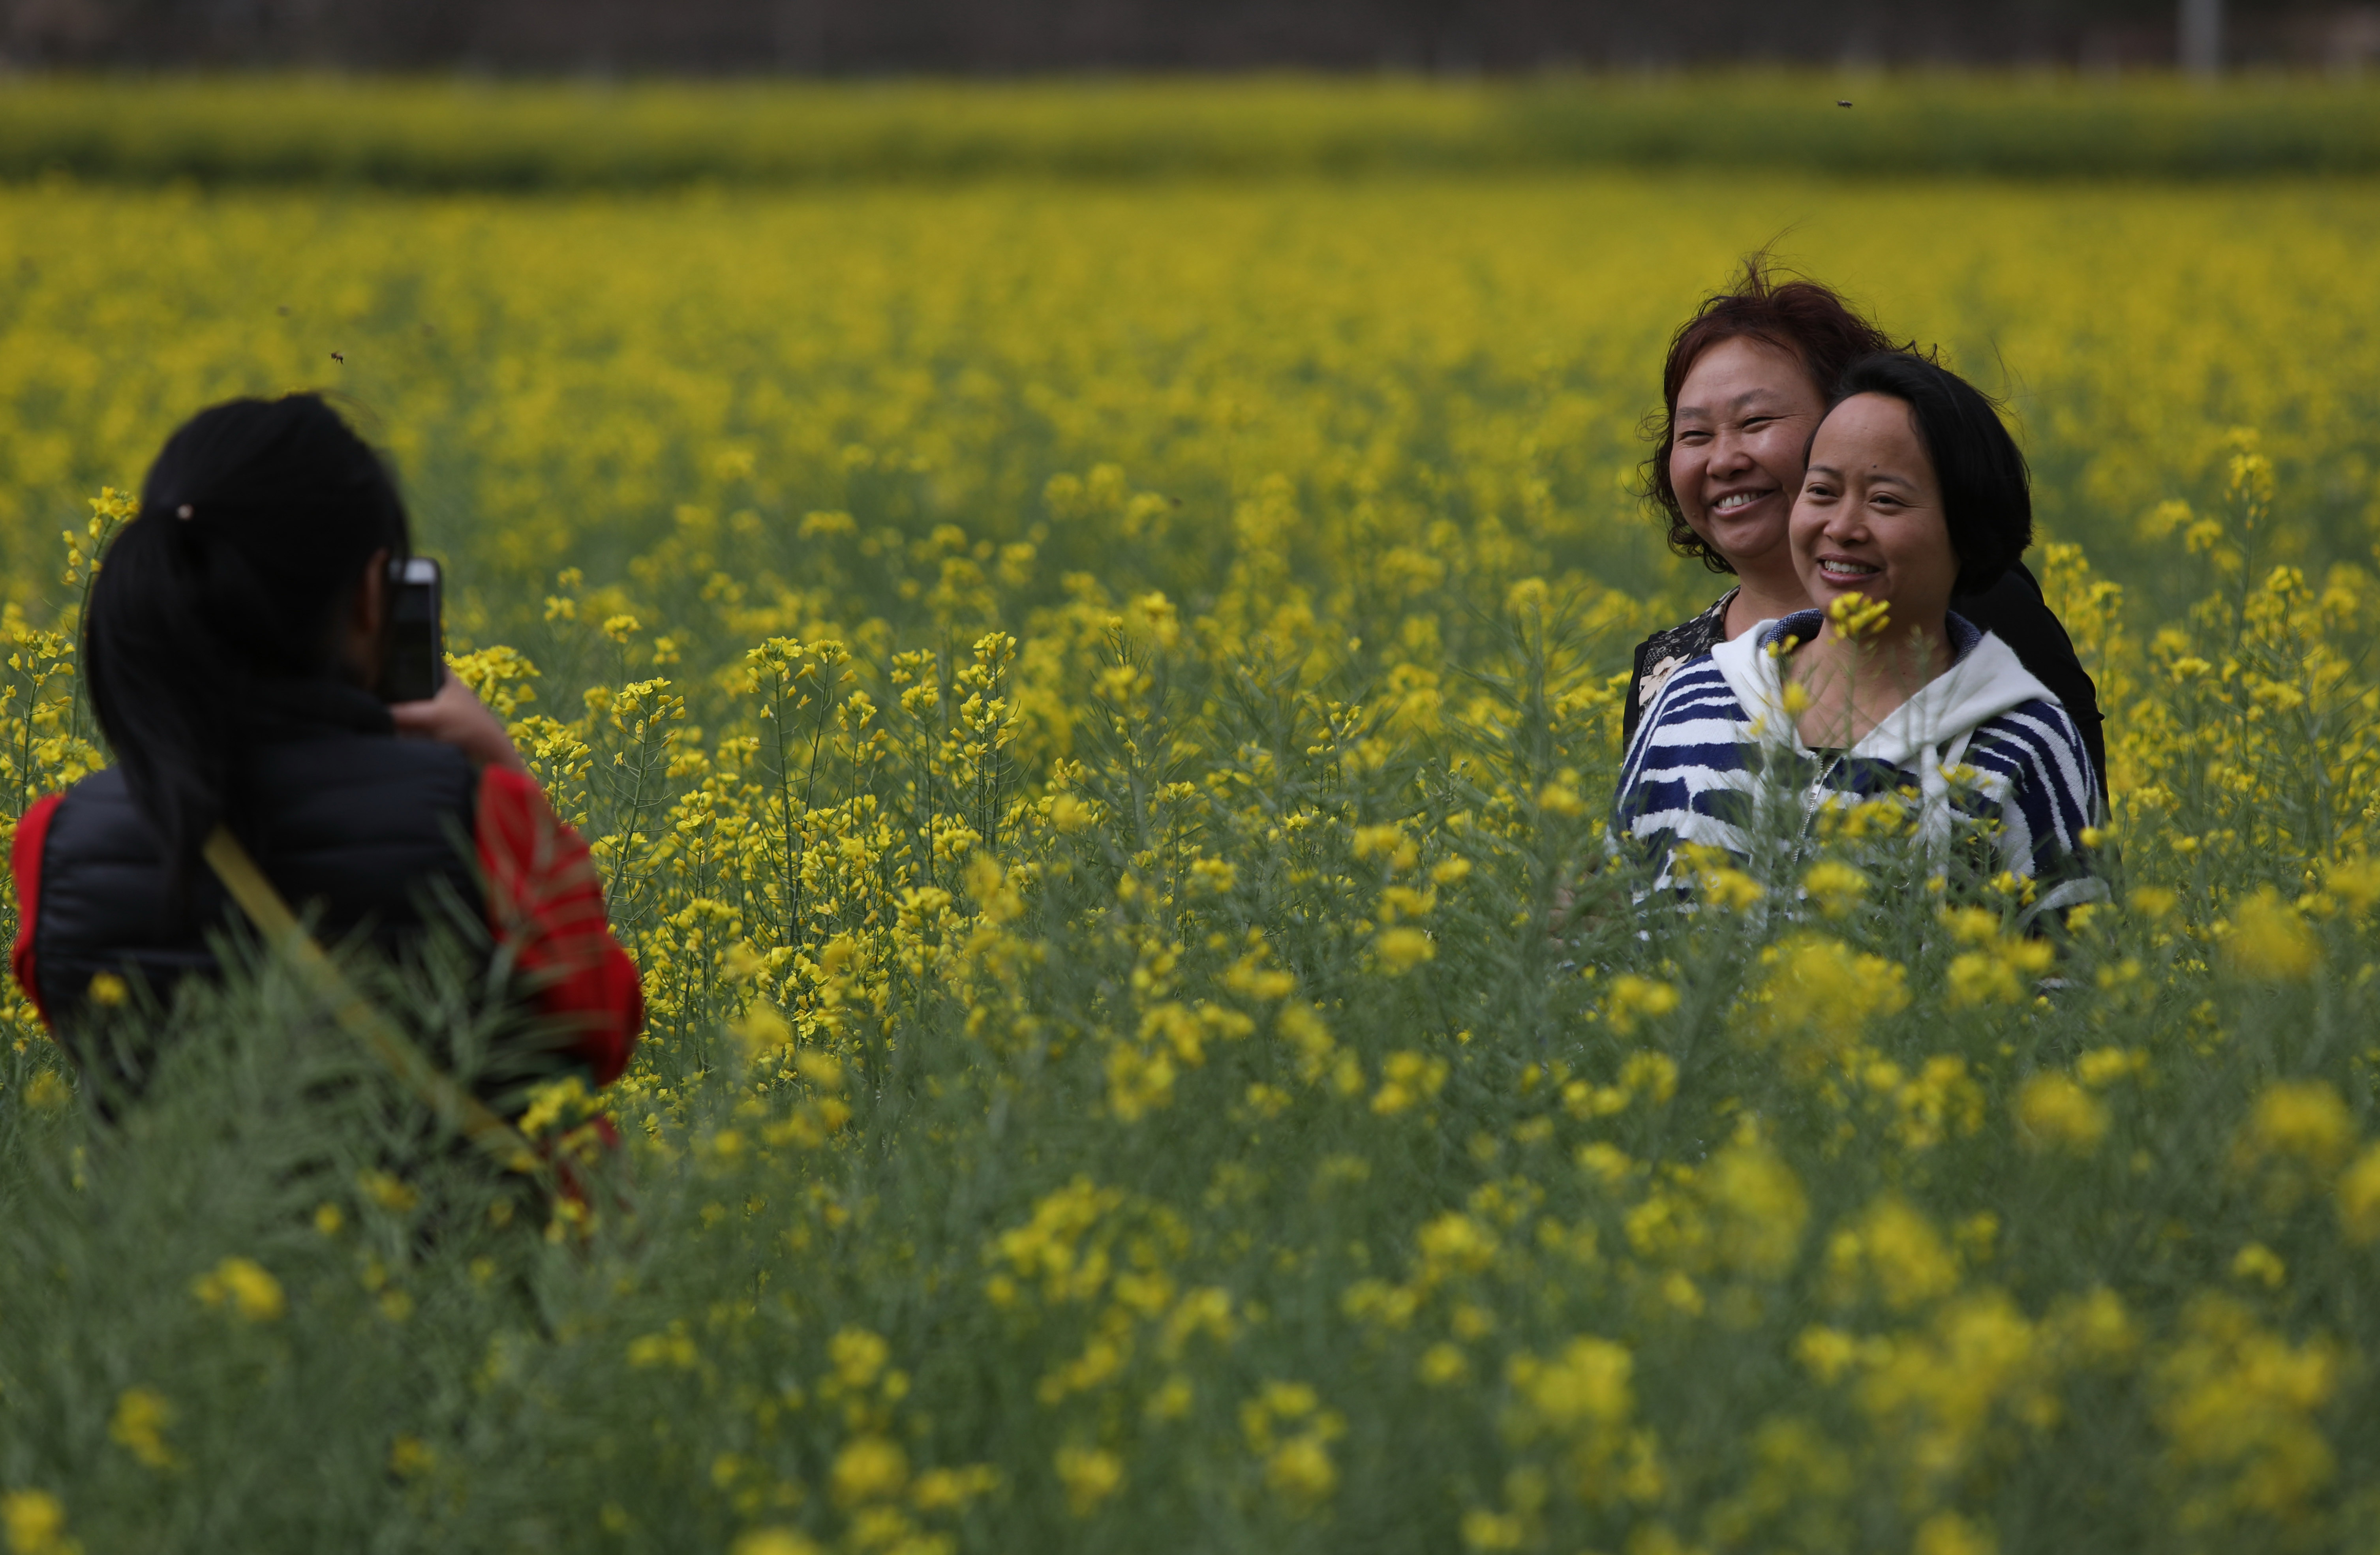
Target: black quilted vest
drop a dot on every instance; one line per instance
(350, 821)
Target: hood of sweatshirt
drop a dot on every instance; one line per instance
(1926, 734)
(1985, 680)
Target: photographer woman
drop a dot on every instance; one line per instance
(233, 642)
(1746, 382)
(1913, 492)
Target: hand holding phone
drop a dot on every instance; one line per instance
(456, 716)
(425, 702)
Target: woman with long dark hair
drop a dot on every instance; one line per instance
(233, 643)
(1744, 388)
(1913, 495)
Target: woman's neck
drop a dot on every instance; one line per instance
(1855, 685)
(1764, 593)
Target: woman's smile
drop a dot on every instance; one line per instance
(1736, 509)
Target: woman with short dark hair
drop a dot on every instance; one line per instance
(233, 642)
(1744, 386)
(1912, 490)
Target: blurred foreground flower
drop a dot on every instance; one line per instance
(246, 1286)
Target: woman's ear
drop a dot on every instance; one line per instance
(371, 599)
(361, 644)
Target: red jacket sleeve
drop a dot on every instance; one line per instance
(545, 901)
(25, 863)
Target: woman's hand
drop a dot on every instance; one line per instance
(458, 718)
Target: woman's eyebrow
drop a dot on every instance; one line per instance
(1876, 474)
(1737, 403)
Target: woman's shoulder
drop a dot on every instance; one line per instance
(2038, 723)
(97, 805)
(1690, 683)
(373, 806)
(368, 766)
(1664, 652)
(1694, 718)
(2014, 610)
(2035, 742)
(1697, 634)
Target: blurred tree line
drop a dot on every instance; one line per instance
(859, 37)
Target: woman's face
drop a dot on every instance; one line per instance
(1744, 418)
(1869, 518)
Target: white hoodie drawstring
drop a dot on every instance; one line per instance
(1933, 813)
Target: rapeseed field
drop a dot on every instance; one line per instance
(1096, 705)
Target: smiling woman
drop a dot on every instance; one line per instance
(1913, 491)
(1742, 390)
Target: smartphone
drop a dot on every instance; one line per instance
(414, 663)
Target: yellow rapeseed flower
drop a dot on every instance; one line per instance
(858, 1356)
(1894, 1252)
(2102, 1067)
(139, 1427)
(1817, 996)
(1486, 1529)
(2239, 1405)
(1589, 1382)
(2270, 940)
(1409, 1078)
(772, 1541)
(390, 1192)
(1444, 1365)
(2359, 1197)
(1827, 1353)
(36, 1522)
(2053, 1113)
(1300, 1469)
(1856, 616)
(2355, 882)
(2259, 1263)
(1090, 1476)
(1835, 886)
(246, 1286)
(1730, 889)
(868, 1468)
(1633, 998)
(1760, 1207)
(1946, 1532)
(1403, 948)
(2305, 1121)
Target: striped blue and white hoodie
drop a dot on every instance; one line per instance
(1983, 741)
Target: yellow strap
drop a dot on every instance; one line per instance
(459, 1107)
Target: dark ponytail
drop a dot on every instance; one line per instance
(256, 521)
